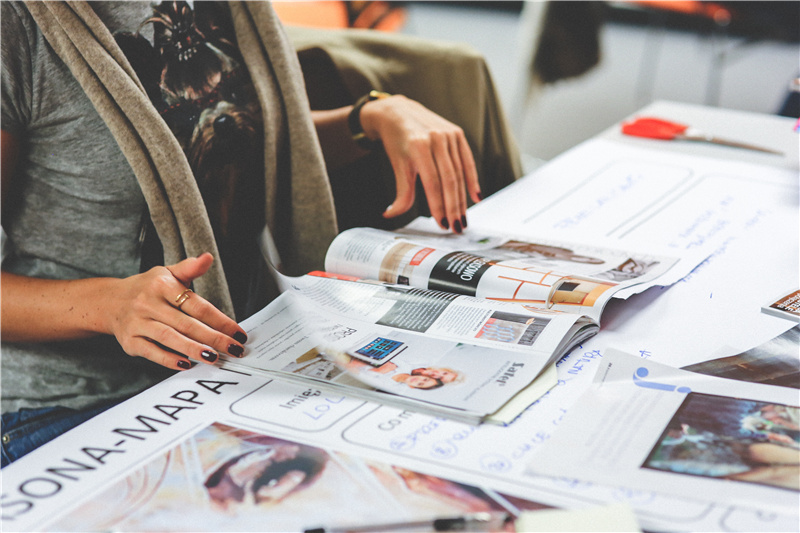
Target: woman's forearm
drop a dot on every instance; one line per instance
(338, 147)
(152, 314)
(39, 310)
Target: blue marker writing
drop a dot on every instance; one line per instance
(642, 372)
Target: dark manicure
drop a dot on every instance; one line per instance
(239, 336)
(209, 356)
(457, 226)
(480, 196)
(235, 350)
(184, 364)
(464, 221)
(445, 223)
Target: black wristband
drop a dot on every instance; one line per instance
(354, 121)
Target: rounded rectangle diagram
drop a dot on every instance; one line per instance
(295, 406)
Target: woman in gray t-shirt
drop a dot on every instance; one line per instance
(76, 302)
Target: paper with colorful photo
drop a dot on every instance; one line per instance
(649, 426)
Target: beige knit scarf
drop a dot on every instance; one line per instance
(307, 223)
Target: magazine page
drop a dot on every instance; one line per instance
(787, 306)
(774, 362)
(541, 274)
(440, 350)
(653, 427)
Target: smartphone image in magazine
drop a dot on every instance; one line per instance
(378, 351)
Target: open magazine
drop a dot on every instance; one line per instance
(540, 274)
(458, 333)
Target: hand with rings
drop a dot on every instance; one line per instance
(158, 317)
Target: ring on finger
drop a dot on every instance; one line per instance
(182, 297)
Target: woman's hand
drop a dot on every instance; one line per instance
(422, 144)
(155, 315)
(152, 314)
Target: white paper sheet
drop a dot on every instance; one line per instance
(613, 518)
(653, 427)
(742, 219)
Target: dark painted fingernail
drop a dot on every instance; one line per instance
(235, 350)
(209, 356)
(184, 364)
(457, 226)
(480, 196)
(445, 223)
(239, 336)
(464, 221)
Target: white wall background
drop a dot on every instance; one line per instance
(638, 65)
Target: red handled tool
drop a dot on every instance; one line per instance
(656, 128)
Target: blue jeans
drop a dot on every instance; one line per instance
(27, 429)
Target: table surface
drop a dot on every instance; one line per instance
(771, 131)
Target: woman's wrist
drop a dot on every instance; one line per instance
(362, 120)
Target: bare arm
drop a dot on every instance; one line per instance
(420, 144)
(141, 311)
(338, 147)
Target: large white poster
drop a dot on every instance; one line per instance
(199, 448)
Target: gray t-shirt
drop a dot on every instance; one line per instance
(76, 212)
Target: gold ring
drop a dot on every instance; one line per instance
(182, 297)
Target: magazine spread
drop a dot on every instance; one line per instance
(538, 274)
(644, 424)
(435, 352)
(452, 325)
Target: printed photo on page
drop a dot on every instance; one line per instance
(775, 362)
(225, 478)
